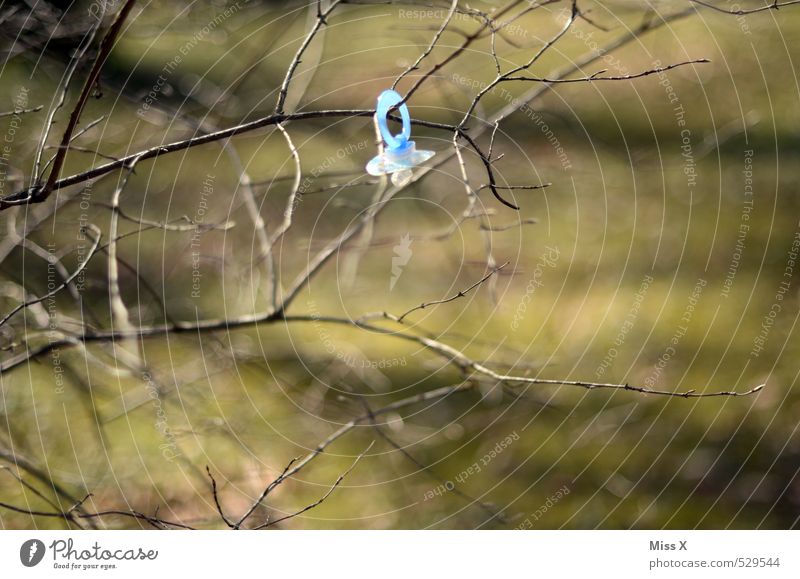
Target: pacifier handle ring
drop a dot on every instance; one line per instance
(386, 101)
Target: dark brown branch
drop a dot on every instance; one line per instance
(479, 371)
(321, 499)
(321, 21)
(742, 12)
(216, 498)
(489, 171)
(317, 262)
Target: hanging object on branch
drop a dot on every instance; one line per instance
(400, 155)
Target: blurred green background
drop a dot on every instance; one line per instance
(621, 211)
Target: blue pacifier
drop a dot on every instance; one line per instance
(399, 155)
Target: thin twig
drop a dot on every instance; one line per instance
(105, 49)
(119, 313)
(270, 487)
(24, 197)
(594, 77)
(21, 111)
(431, 46)
(322, 498)
(216, 498)
(454, 297)
(65, 283)
(321, 21)
(291, 205)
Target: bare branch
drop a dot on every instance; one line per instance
(475, 370)
(742, 12)
(270, 487)
(155, 522)
(291, 205)
(431, 46)
(460, 294)
(24, 198)
(21, 112)
(321, 21)
(119, 313)
(594, 77)
(487, 507)
(64, 87)
(105, 49)
(216, 498)
(65, 283)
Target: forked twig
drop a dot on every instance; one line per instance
(321, 499)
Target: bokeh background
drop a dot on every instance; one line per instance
(636, 269)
